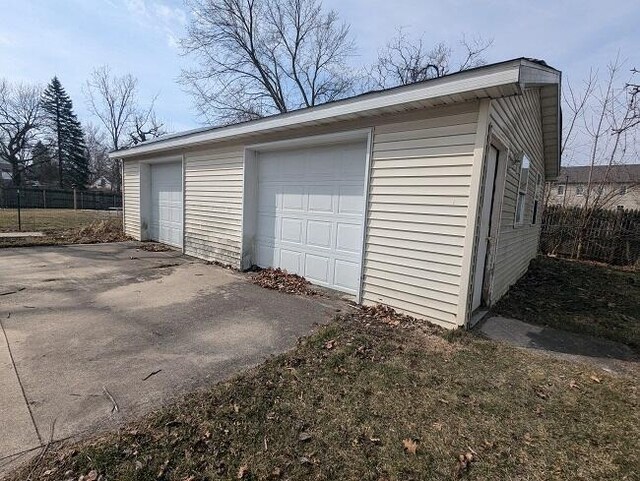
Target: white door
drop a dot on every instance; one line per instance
(485, 226)
(310, 213)
(166, 203)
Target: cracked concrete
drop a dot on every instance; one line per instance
(79, 319)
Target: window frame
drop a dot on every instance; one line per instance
(563, 187)
(521, 198)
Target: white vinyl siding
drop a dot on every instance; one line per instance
(213, 199)
(131, 186)
(418, 200)
(517, 121)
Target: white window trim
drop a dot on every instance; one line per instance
(522, 190)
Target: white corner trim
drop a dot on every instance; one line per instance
(472, 212)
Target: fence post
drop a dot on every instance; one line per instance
(75, 200)
(19, 215)
(44, 198)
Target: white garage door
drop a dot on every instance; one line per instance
(166, 203)
(310, 213)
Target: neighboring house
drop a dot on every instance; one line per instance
(423, 197)
(612, 187)
(101, 183)
(5, 173)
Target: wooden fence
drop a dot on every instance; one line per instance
(600, 235)
(46, 198)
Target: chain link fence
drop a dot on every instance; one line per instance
(601, 235)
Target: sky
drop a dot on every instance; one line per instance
(69, 38)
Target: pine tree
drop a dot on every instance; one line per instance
(68, 136)
(42, 169)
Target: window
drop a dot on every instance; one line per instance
(523, 185)
(623, 189)
(561, 189)
(579, 189)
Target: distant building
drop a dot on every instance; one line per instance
(616, 186)
(5, 173)
(102, 183)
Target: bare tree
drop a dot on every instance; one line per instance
(405, 60)
(114, 101)
(632, 90)
(145, 125)
(599, 134)
(97, 152)
(259, 57)
(19, 123)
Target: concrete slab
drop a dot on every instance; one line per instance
(142, 326)
(608, 355)
(14, 412)
(11, 235)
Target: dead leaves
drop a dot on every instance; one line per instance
(465, 460)
(410, 445)
(330, 344)
(243, 472)
(280, 280)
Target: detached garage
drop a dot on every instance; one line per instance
(424, 197)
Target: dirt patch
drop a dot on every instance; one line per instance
(280, 280)
(154, 247)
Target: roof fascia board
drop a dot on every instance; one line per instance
(498, 75)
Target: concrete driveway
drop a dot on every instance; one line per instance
(84, 326)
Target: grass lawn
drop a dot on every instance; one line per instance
(61, 226)
(576, 296)
(366, 400)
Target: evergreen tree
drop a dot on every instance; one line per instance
(42, 168)
(69, 143)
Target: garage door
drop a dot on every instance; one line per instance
(310, 213)
(166, 203)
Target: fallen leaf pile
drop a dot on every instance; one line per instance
(386, 315)
(280, 280)
(98, 231)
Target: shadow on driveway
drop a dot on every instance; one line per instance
(89, 326)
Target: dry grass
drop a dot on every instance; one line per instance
(582, 297)
(369, 398)
(62, 226)
(51, 220)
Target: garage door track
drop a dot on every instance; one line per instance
(92, 335)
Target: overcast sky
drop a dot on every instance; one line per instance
(68, 38)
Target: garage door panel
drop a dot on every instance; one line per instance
(349, 238)
(166, 203)
(350, 199)
(310, 213)
(291, 261)
(319, 234)
(293, 198)
(321, 199)
(346, 274)
(291, 230)
(317, 268)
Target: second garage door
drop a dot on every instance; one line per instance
(310, 213)
(166, 203)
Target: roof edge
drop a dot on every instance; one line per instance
(521, 72)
